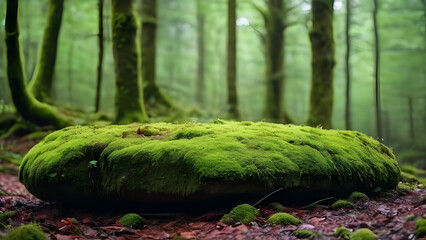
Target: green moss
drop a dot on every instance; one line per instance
(357, 196)
(26, 232)
(211, 159)
(339, 204)
(7, 215)
(421, 228)
(412, 170)
(303, 234)
(405, 187)
(37, 135)
(409, 178)
(243, 213)
(283, 219)
(342, 233)
(277, 207)
(363, 234)
(132, 220)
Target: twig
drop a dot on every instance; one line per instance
(279, 189)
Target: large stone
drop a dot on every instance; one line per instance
(165, 163)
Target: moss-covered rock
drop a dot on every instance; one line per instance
(303, 234)
(342, 233)
(243, 213)
(277, 207)
(132, 220)
(363, 234)
(283, 219)
(357, 196)
(164, 163)
(421, 228)
(339, 204)
(26, 232)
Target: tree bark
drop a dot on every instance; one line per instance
(25, 103)
(377, 73)
(201, 53)
(231, 65)
(348, 67)
(151, 92)
(42, 81)
(100, 53)
(274, 49)
(128, 100)
(322, 44)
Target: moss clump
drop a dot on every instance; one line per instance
(408, 178)
(132, 220)
(277, 207)
(421, 228)
(343, 233)
(243, 213)
(405, 187)
(177, 161)
(357, 196)
(303, 234)
(339, 204)
(283, 219)
(6, 215)
(26, 232)
(363, 234)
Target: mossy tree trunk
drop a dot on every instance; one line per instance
(232, 65)
(274, 47)
(377, 73)
(201, 53)
(42, 81)
(347, 66)
(128, 100)
(151, 92)
(25, 103)
(322, 45)
(100, 53)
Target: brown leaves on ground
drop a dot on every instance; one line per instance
(386, 216)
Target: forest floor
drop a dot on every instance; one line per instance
(390, 216)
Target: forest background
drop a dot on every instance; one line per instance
(401, 31)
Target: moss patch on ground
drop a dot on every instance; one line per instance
(283, 219)
(363, 234)
(342, 233)
(132, 220)
(26, 232)
(243, 213)
(339, 204)
(357, 196)
(303, 234)
(421, 228)
(153, 162)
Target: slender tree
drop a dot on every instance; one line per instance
(232, 58)
(322, 44)
(377, 72)
(347, 66)
(128, 100)
(151, 92)
(201, 53)
(42, 81)
(100, 53)
(25, 103)
(411, 118)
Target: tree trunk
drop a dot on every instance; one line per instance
(322, 44)
(25, 103)
(70, 71)
(42, 81)
(100, 53)
(201, 54)
(232, 66)
(274, 49)
(377, 73)
(128, 100)
(151, 91)
(411, 118)
(347, 66)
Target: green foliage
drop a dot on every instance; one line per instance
(303, 234)
(277, 207)
(184, 159)
(342, 233)
(363, 234)
(357, 196)
(421, 228)
(6, 215)
(243, 213)
(339, 204)
(132, 220)
(405, 187)
(283, 219)
(26, 232)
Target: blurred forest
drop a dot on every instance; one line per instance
(191, 63)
